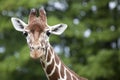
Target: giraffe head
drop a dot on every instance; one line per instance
(37, 31)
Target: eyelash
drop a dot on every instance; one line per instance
(25, 34)
(48, 33)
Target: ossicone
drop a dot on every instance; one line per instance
(42, 14)
(32, 14)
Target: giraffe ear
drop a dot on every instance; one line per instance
(18, 24)
(58, 29)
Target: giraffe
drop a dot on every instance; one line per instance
(37, 33)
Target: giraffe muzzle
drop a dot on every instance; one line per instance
(36, 52)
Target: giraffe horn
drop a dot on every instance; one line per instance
(42, 14)
(32, 15)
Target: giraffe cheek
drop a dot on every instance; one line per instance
(35, 54)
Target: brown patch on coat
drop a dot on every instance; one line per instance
(57, 60)
(50, 67)
(48, 56)
(55, 75)
(68, 75)
(62, 71)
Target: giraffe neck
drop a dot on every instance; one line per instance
(55, 69)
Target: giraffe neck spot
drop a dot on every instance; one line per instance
(50, 67)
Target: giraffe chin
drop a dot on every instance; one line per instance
(35, 55)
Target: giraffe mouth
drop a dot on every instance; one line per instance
(36, 54)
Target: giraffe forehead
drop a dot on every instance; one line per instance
(37, 25)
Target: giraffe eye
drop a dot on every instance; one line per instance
(48, 33)
(25, 34)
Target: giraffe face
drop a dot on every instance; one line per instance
(37, 32)
(37, 40)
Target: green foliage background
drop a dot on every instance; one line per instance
(90, 45)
